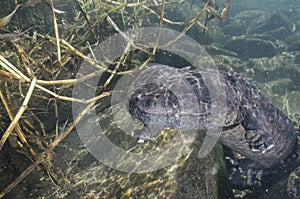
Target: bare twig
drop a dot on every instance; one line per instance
(19, 75)
(161, 17)
(192, 22)
(5, 20)
(41, 157)
(18, 128)
(87, 19)
(112, 23)
(225, 11)
(14, 35)
(19, 114)
(122, 58)
(56, 31)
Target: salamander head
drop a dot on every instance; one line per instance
(151, 102)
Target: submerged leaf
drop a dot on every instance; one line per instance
(6, 20)
(47, 2)
(14, 35)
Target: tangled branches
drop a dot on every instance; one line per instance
(46, 66)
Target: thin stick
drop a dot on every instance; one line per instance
(56, 32)
(122, 59)
(2, 72)
(225, 11)
(20, 178)
(55, 82)
(114, 25)
(43, 82)
(18, 128)
(125, 4)
(23, 58)
(19, 75)
(44, 154)
(19, 114)
(86, 19)
(164, 19)
(101, 66)
(56, 117)
(6, 20)
(192, 22)
(161, 16)
(11, 68)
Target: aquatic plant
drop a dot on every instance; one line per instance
(42, 44)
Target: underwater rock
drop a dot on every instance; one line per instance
(281, 46)
(213, 49)
(282, 61)
(213, 34)
(183, 12)
(279, 33)
(247, 47)
(187, 177)
(297, 58)
(262, 36)
(296, 25)
(239, 24)
(277, 89)
(271, 69)
(292, 37)
(235, 27)
(295, 46)
(230, 63)
(293, 185)
(281, 86)
(291, 104)
(249, 15)
(269, 22)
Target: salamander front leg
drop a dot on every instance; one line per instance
(146, 133)
(259, 140)
(256, 130)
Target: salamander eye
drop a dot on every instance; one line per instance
(139, 97)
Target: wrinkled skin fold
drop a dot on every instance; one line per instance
(162, 96)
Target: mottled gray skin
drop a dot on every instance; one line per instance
(252, 126)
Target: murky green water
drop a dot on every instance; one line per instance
(260, 40)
